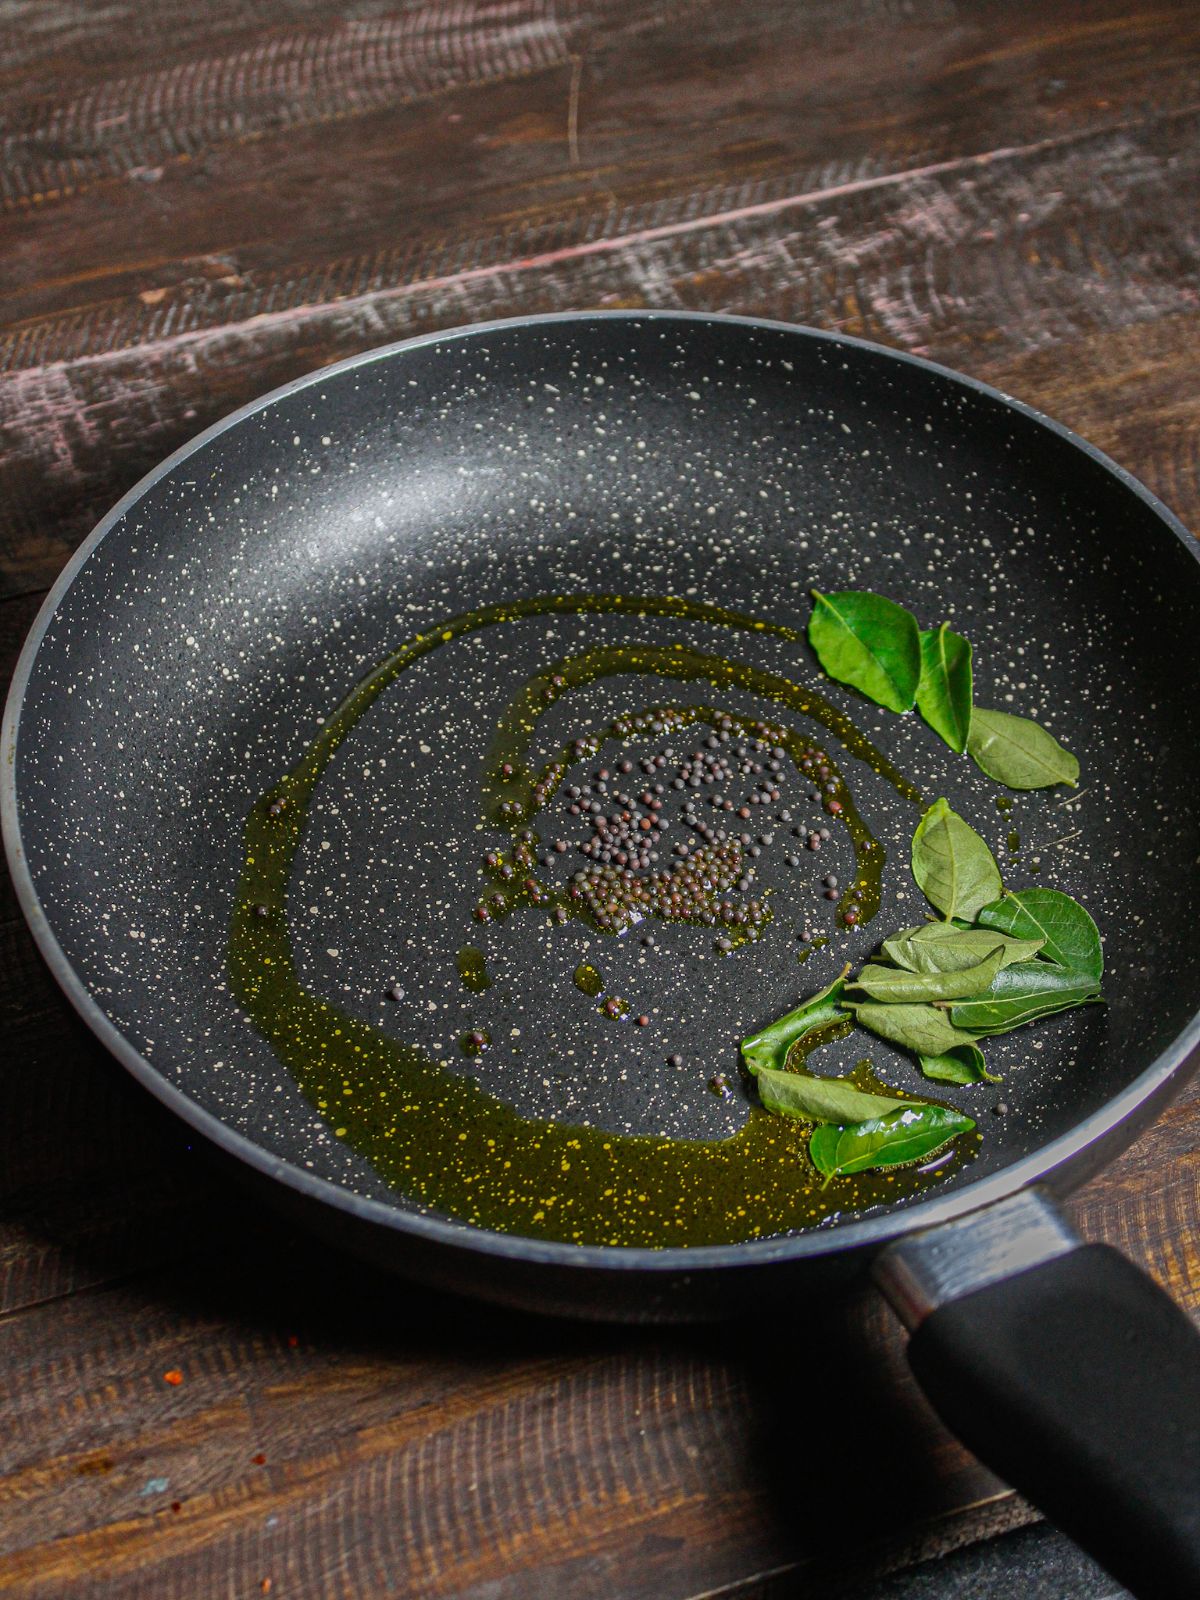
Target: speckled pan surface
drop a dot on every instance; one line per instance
(222, 612)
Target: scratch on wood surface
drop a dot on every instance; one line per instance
(573, 110)
(1180, 1269)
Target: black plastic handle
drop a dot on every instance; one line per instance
(1078, 1382)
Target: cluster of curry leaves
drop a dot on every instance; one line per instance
(996, 961)
(854, 1129)
(878, 648)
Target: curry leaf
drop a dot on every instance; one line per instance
(770, 1045)
(870, 643)
(1017, 752)
(944, 690)
(1021, 993)
(894, 984)
(941, 947)
(1069, 936)
(963, 1064)
(952, 865)
(1015, 1013)
(894, 1140)
(798, 1094)
(926, 1030)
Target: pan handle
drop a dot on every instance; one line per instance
(1067, 1371)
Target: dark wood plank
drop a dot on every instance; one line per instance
(764, 158)
(940, 261)
(473, 1451)
(206, 167)
(1127, 391)
(275, 185)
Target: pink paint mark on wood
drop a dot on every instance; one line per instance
(51, 411)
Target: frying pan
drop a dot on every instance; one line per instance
(197, 651)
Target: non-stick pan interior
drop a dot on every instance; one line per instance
(232, 605)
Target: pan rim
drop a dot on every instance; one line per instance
(869, 1232)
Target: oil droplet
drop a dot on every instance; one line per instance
(815, 944)
(1003, 803)
(588, 979)
(864, 1076)
(472, 969)
(803, 1047)
(1014, 841)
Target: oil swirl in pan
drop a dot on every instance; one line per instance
(432, 1132)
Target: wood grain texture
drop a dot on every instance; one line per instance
(570, 1451)
(273, 185)
(756, 91)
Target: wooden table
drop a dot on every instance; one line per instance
(203, 198)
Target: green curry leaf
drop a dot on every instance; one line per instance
(963, 1064)
(894, 984)
(798, 1094)
(1068, 935)
(770, 1045)
(944, 689)
(1017, 752)
(870, 643)
(952, 865)
(1022, 993)
(941, 947)
(896, 1139)
(925, 1030)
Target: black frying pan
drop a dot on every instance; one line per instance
(205, 635)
